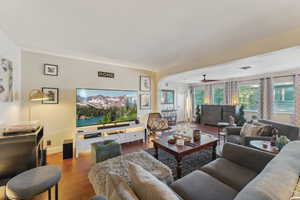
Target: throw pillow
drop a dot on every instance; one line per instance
(158, 124)
(296, 194)
(147, 186)
(266, 131)
(117, 189)
(251, 130)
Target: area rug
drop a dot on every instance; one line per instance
(190, 162)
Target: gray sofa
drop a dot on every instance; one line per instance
(243, 173)
(233, 133)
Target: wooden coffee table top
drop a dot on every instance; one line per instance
(205, 141)
(258, 144)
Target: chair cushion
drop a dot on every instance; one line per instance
(229, 173)
(32, 182)
(147, 186)
(200, 186)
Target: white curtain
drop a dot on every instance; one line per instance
(188, 111)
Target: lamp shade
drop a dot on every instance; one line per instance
(37, 95)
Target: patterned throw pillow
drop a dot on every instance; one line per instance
(296, 195)
(158, 124)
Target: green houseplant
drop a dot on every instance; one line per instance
(240, 117)
(198, 114)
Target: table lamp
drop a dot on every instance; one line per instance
(36, 95)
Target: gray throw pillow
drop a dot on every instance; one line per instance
(147, 186)
(117, 189)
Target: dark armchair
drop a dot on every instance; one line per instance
(233, 133)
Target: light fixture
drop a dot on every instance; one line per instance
(245, 67)
(35, 95)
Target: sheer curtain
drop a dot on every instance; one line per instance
(188, 114)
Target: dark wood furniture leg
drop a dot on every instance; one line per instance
(56, 191)
(156, 151)
(179, 166)
(214, 151)
(49, 194)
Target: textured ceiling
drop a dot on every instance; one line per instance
(144, 34)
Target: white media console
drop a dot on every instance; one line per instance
(130, 133)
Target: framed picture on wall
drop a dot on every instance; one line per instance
(167, 96)
(50, 70)
(145, 83)
(6, 80)
(145, 101)
(52, 93)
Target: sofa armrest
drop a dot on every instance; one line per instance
(247, 157)
(98, 197)
(248, 139)
(233, 130)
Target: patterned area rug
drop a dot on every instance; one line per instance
(190, 162)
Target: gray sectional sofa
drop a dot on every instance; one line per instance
(243, 173)
(291, 131)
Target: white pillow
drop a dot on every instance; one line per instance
(117, 189)
(148, 187)
(251, 130)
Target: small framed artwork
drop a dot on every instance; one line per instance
(145, 102)
(167, 96)
(52, 93)
(145, 83)
(50, 70)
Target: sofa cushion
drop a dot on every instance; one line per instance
(118, 189)
(199, 185)
(278, 179)
(147, 186)
(229, 173)
(236, 139)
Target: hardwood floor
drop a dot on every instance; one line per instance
(74, 184)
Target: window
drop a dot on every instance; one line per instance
(249, 97)
(167, 97)
(218, 96)
(283, 98)
(199, 97)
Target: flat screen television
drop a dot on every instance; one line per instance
(98, 107)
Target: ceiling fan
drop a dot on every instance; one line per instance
(204, 80)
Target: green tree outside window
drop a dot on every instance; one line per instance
(249, 97)
(218, 96)
(284, 98)
(199, 97)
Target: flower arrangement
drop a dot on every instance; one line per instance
(281, 141)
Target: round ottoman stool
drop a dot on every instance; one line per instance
(33, 182)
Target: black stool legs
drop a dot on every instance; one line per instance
(56, 192)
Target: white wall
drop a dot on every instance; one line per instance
(10, 111)
(59, 119)
(180, 90)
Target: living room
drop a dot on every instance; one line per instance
(93, 102)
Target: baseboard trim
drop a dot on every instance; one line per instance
(52, 150)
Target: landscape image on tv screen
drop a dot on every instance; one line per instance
(95, 106)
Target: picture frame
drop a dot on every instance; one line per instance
(53, 94)
(6, 80)
(145, 101)
(50, 70)
(145, 83)
(167, 97)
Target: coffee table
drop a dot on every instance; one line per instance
(258, 144)
(179, 152)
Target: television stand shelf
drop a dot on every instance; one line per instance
(126, 134)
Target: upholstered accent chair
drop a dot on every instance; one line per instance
(155, 123)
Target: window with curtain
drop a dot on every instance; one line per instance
(218, 96)
(199, 97)
(283, 97)
(249, 97)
